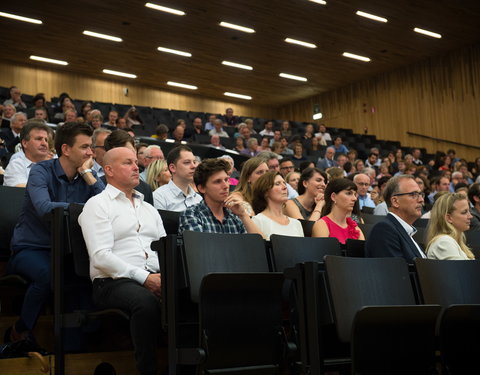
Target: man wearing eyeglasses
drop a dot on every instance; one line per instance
(178, 194)
(98, 141)
(393, 237)
(363, 184)
(150, 154)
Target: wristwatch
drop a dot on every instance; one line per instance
(82, 173)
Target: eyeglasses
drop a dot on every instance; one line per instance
(285, 168)
(363, 183)
(413, 194)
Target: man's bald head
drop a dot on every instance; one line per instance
(112, 155)
(121, 169)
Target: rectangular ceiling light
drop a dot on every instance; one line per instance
(291, 76)
(240, 96)
(236, 65)
(102, 36)
(174, 51)
(356, 57)
(322, 2)
(182, 85)
(370, 16)
(165, 9)
(46, 59)
(300, 43)
(121, 74)
(427, 33)
(20, 18)
(237, 27)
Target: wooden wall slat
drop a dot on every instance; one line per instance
(31, 80)
(438, 97)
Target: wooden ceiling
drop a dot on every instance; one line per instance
(334, 28)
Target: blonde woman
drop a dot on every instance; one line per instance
(449, 219)
(251, 172)
(158, 174)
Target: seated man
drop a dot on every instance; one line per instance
(328, 161)
(230, 119)
(11, 137)
(34, 138)
(393, 236)
(363, 184)
(118, 227)
(178, 195)
(218, 212)
(51, 184)
(98, 141)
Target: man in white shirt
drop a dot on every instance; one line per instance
(323, 133)
(178, 195)
(218, 129)
(118, 228)
(34, 138)
(268, 129)
(98, 141)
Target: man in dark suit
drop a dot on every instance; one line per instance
(393, 236)
(329, 159)
(11, 137)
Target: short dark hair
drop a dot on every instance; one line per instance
(174, 153)
(118, 138)
(261, 188)
(161, 129)
(207, 168)
(474, 191)
(34, 124)
(306, 175)
(67, 132)
(39, 96)
(393, 187)
(335, 186)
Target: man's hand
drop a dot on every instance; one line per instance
(88, 164)
(235, 204)
(153, 283)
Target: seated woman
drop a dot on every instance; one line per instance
(158, 174)
(292, 178)
(340, 198)
(298, 153)
(308, 205)
(251, 172)
(450, 217)
(269, 195)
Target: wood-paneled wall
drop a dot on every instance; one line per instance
(439, 97)
(32, 80)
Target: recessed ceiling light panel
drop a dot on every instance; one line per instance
(121, 74)
(371, 16)
(174, 51)
(321, 2)
(182, 85)
(47, 60)
(427, 33)
(20, 18)
(239, 96)
(161, 8)
(102, 36)
(300, 43)
(356, 57)
(291, 76)
(237, 27)
(237, 65)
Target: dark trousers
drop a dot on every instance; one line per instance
(34, 265)
(144, 310)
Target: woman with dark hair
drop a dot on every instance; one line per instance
(340, 199)
(308, 205)
(85, 108)
(269, 196)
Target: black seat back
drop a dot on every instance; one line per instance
(12, 199)
(355, 248)
(288, 251)
(170, 220)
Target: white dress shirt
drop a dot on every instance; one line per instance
(118, 235)
(171, 198)
(17, 170)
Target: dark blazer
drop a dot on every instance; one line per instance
(475, 221)
(388, 239)
(10, 140)
(324, 164)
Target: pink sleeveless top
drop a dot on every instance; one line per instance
(342, 234)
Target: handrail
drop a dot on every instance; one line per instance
(443, 140)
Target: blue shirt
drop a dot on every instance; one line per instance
(199, 218)
(47, 188)
(342, 149)
(365, 201)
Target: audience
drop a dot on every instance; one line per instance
(340, 197)
(450, 218)
(158, 174)
(269, 196)
(292, 179)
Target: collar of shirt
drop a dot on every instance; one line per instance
(410, 229)
(176, 191)
(113, 193)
